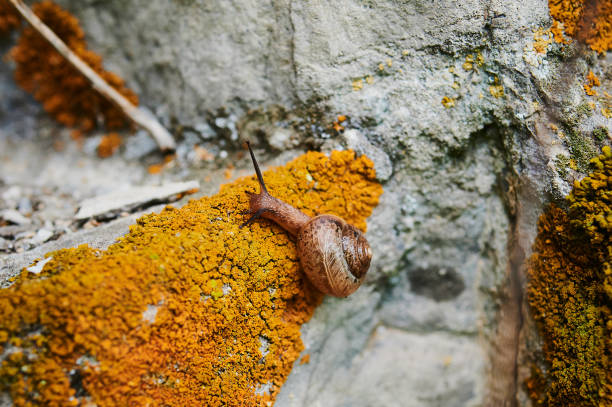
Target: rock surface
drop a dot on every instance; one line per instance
(459, 112)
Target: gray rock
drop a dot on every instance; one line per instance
(359, 143)
(130, 198)
(378, 377)
(25, 206)
(139, 145)
(12, 231)
(464, 184)
(14, 217)
(5, 245)
(41, 236)
(12, 193)
(283, 139)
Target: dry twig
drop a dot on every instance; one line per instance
(139, 116)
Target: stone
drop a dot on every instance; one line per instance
(133, 197)
(41, 236)
(38, 267)
(138, 145)
(25, 206)
(282, 139)
(467, 153)
(14, 217)
(356, 141)
(12, 193)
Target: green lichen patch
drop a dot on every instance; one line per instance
(582, 149)
(562, 163)
(601, 134)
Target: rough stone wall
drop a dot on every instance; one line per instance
(438, 321)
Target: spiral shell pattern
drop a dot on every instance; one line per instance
(334, 255)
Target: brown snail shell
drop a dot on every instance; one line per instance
(334, 254)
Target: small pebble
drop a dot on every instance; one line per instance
(37, 268)
(5, 245)
(12, 231)
(41, 236)
(12, 193)
(14, 217)
(25, 206)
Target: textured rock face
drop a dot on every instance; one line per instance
(453, 103)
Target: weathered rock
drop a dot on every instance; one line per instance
(464, 181)
(14, 217)
(132, 197)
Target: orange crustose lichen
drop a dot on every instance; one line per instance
(63, 91)
(9, 18)
(186, 309)
(570, 293)
(588, 21)
(592, 81)
(108, 145)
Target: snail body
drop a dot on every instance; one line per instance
(334, 254)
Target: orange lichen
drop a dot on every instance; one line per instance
(168, 162)
(9, 17)
(186, 309)
(592, 81)
(570, 292)
(588, 21)
(337, 126)
(63, 91)
(448, 102)
(108, 145)
(557, 31)
(155, 168)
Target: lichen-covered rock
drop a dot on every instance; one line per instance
(569, 291)
(186, 309)
(476, 114)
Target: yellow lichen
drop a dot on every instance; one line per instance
(448, 102)
(588, 21)
(541, 40)
(472, 62)
(496, 90)
(186, 309)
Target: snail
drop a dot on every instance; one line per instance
(334, 255)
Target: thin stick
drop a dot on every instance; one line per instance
(139, 116)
